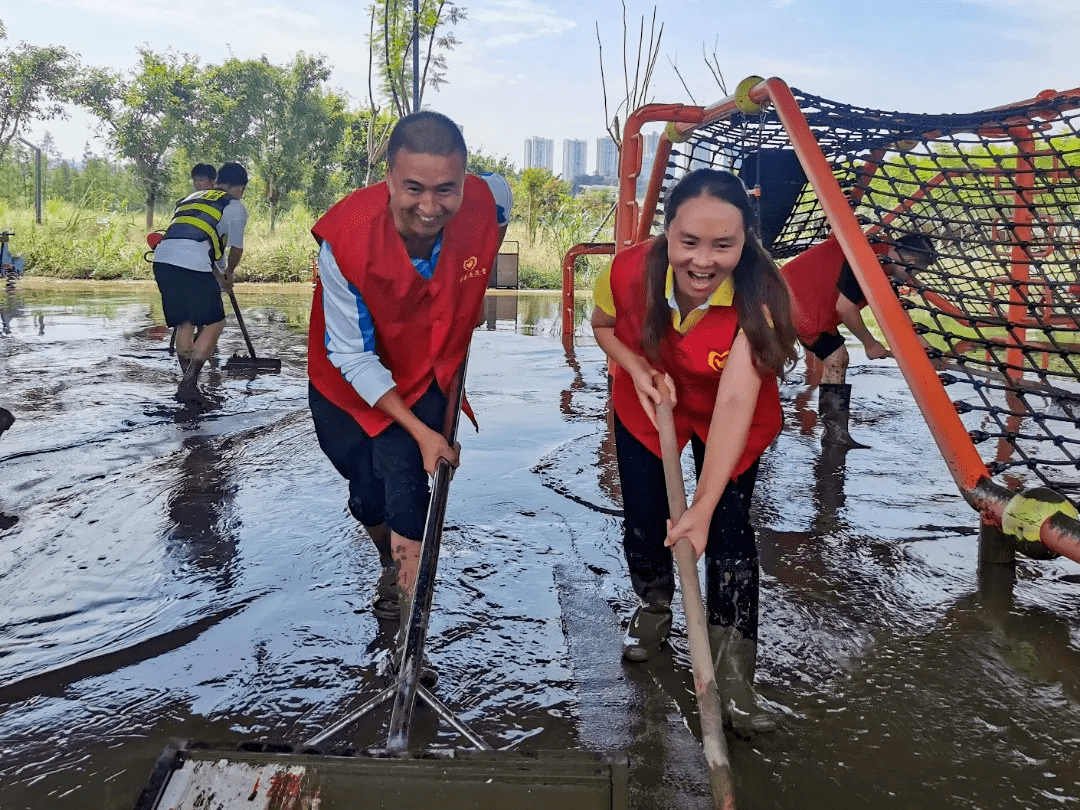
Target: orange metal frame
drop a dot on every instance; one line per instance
(633, 225)
(569, 260)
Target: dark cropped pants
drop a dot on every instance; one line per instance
(387, 480)
(731, 559)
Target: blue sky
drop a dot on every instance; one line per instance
(530, 67)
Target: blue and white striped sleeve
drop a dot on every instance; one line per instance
(350, 332)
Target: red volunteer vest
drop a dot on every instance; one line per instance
(422, 326)
(812, 277)
(695, 362)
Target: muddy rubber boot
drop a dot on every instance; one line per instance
(188, 391)
(834, 406)
(734, 660)
(386, 602)
(649, 628)
(6, 420)
(428, 676)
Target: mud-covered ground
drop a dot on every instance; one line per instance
(168, 576)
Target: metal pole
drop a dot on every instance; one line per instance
(411, 660)
(37, 178)
(416, 55)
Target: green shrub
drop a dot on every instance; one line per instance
(91, 240)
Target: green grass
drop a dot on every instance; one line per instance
(78, 242)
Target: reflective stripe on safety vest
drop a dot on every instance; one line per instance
(197, 216)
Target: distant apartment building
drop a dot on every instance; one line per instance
(539, 153)
(575, 159)
(651, 142)
(607, 158)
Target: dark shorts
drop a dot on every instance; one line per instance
(188, 296)
(825, 345)
(387, 480)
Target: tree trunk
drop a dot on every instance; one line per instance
(150, 200)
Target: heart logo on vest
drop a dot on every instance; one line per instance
(717, 360)
(472, 269)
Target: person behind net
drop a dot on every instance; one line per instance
(826, 294)
(203, 176)
(703, 307)
(194, 261)
(403, 270)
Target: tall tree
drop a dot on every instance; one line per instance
(393, 47)
(147, 113)
(34, 84)
(281, 120)
(478, 162)
(363, 155)
(539, 191)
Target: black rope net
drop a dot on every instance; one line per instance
(998, 193)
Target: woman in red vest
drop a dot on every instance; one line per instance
(703, 307)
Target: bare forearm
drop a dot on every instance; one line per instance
(394, 406)
(233, 261)
(727, 440)
(852, 318)
(616, 350)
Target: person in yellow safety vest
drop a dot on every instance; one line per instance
(194, 261)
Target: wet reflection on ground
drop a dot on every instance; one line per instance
(162, 576)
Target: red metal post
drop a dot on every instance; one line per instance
(1024, 181)
(652, 191)
(626, 214)
(569, 260)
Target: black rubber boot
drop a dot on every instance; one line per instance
(6, 420)
(734, 661)
(648, 630)
(385, 604)
(834, 406)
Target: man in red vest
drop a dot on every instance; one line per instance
(403, 269)
(825, 294)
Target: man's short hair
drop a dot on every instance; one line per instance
(204, 170)
(232, 174)
(426, 133)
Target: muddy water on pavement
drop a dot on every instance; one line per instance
(168, 576)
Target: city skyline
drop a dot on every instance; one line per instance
(539, 153)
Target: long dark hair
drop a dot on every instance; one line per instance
(761, 295)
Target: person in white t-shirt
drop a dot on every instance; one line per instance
(193, 263)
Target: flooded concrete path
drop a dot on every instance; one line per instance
(166, 576)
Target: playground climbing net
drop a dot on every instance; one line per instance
(998, 192)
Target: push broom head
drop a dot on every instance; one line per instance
(241, 363)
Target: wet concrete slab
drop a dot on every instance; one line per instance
(164, 575)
